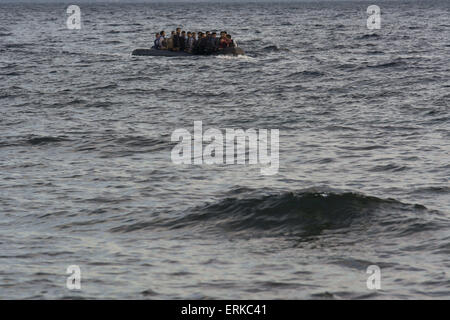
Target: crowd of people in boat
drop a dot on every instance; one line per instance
(192, 42)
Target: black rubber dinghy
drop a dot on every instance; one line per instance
(167, 53)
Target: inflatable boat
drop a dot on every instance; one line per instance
(166, 53)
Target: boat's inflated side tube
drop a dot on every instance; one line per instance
(159, 53)
(232, 51)
(167, 53)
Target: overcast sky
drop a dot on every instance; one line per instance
(163, 1)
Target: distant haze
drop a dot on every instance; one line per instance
(170, 1)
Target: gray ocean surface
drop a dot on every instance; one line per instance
(86, 176)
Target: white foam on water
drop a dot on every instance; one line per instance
(241, 57)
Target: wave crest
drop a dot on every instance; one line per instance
(304, 213)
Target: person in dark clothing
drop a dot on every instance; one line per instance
(189, 42)
(183, 41)
(163, 40)
(213, 43)
(196, 48)
(203, 42)
(177, 40)
(216, 40)
(156, 43)
(194, 41)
